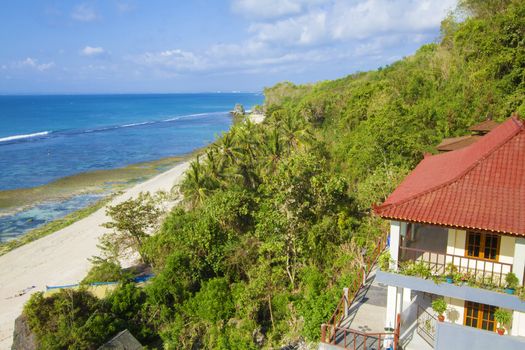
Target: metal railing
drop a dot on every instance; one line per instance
(346, 302)
(426, 325)
(352, 339)
(347, 338)
(488, 270)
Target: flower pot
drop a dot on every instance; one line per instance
(450, 280)
(509, 290)
(501, 331)
(441, 318)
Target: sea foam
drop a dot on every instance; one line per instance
(24, 136)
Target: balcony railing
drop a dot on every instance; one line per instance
(489, 271)
(356, 340)
(426, 326)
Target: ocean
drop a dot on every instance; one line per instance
(45, 138)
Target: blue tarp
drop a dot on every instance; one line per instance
(136, 280)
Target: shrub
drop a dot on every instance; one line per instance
(105, 271)
(384, 260)
(511, 281)
(439, 306)
(503, 317)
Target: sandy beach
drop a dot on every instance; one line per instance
(62, 257)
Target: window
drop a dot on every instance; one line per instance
(483, 245)
(480, 316)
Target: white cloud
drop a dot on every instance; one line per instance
(34, 64)
(344, 21)
(369, 17)
(174, 59)
(297, 35)
(272, 8)
(92, 51)
(303, 30)
(84, 13)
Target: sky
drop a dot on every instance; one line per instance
(148, 46)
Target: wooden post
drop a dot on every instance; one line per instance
(323, 333)
(396, 331)
(345, 293)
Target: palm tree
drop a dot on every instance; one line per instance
(226, 147)
(214, 166)
(194, 185)
(272, 150)
(294, 130)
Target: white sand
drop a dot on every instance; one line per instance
(256, 118)
(62, 257)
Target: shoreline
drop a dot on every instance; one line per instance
(62, 256)
(102, 181)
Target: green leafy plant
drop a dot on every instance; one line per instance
(419, 269)
(503, 317)
(487, 283)
(511, 281)
(384, 260)
(451, 271)
(439, 306)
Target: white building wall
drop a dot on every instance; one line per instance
(456, 242)
(518, 324)
(506, 249)
(519, 258)
(455, 311)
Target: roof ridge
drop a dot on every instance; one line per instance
(520, 128)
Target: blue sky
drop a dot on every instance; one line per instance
(119, 46)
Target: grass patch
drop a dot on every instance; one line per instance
(53, 226)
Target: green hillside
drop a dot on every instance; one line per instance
(276, 215)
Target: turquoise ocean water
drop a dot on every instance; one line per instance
(44, 138)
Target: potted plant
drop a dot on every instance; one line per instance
(451, 271)
(439, 306)
(384, 261)
(503, 317)
(511, 283)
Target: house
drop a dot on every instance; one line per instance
(477, 131)
(461, 215)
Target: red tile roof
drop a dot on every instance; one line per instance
(481, 186)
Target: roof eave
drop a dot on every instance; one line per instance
(451, 225)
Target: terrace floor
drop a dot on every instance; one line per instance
(368, 313)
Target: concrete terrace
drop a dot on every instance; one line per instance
(367, 315)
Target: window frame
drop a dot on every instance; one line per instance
(480, 311)
(483, 238)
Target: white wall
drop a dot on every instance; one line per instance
(455, 311)
(518, 324)
(506, 249)
(456, 242)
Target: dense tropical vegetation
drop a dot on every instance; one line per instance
(275, 214)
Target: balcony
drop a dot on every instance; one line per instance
(452, 336)
(468, 270)
(463, 292)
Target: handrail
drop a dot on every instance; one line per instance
(426, 325)
(344, 303)
(437, 263)
(354, 339)
(348, 338)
